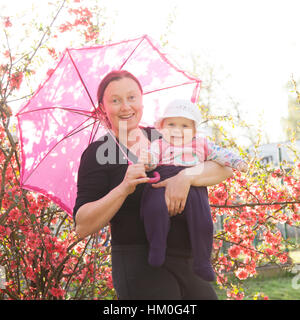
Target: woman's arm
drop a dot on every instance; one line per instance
(177, 188)
(206, 174)
(95, 215)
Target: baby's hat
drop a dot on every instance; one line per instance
(181, 108)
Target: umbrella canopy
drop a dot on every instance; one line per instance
(59, 121)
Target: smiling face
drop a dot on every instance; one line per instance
(123, 104)
(178, 130)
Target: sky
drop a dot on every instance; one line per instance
(255, 43)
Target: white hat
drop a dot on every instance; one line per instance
(181, 108)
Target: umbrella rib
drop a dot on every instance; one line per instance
(132, 53)
(80, 112)
(41, 86)
(92, 136)
(67, 136)
(169, 62)
(79, 75)
(108, 44)
(177, 85)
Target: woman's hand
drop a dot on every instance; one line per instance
(177, 188)
(135, 175)
(176, 192)
(95, 215)
(146, 158)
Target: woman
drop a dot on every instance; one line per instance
(110, 192)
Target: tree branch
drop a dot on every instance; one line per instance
(44, 35)
(253, 204)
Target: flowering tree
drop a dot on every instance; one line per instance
(41, 256)
(38, 249)
(251, 206)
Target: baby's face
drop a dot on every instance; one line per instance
(178, 130)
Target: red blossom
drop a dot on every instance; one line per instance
(6, 54)
(7, 22)
(15, 80)
(236, 295)
(5, 231)
(217, 244)
(83, 18)
(242, 274)
(231, 226)
(221, 279)
(273, 238)
(234, 251)
(109, 282)
(296, 217)
(221, 195)
(91, 35)
(46, 229)
(65, 27)
(52, 53)
(30, 274)
(261, 217)
(57, 292)
(283, 257)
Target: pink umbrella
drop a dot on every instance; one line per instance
(59, 121)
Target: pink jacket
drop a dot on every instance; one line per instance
(198, 150)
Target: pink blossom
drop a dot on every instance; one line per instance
(57, 292)
(242, 274)
(7, 22)
(234, 251)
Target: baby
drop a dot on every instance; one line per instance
(179, 148)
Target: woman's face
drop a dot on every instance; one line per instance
(123, 104)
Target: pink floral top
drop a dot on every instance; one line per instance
(198, 150)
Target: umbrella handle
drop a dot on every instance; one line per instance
(156, 175)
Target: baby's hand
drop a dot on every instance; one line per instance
(145, 156)
(146, 159)
(242, 166)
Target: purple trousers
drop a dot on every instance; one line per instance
(155, 216)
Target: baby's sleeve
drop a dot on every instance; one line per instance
(222, 156)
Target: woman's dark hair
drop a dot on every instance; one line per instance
(113, 76)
